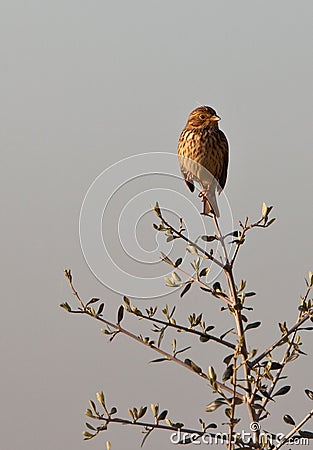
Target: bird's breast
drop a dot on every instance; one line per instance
(200, 155)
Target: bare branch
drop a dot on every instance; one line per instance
(282, 338)
(210, 337)
(166, 355)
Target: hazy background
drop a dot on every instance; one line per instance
(86, 84)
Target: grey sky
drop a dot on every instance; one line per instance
(86, 84)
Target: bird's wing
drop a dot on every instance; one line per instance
(223, 177)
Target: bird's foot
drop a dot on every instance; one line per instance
(203, 195)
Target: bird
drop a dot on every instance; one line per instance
(203, 156)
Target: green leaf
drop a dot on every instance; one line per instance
(163, 415)
(269, 223)
(211, 374)
(66, 306)
(288, 419)
(176, 277)
(306, 434)
(100, 398)
(158, 360)
(217, 286)
(204, 272)
(206, 289)
(250, 294)
(215, 404)
(132, 415)
(169, 282)
(235, 233)
(100, 309)
(264, 210)
(208, 238)
(193, 365)
(282, 391)
(142, 411)
(154, 409)
(156, 209)
(185, 290)
(93, 300)
(183, 350)
(226, 333)
(178, 262)
(192, 249)
(126, 300)
(120, 314)
(292, 357)
(242, 285)
(68, 274)
(309, 393)
(274, 365)
(227, 359)
(88, 412)
(88, 435)
(252, 325)
(228, 373)
(93, 406)
(228, 412)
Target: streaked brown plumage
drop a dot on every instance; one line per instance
(203, 156)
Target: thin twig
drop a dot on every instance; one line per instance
(69, 278)
(233, 403)
(181, 235)
(221, 239)
(187, 330)
(244, 228)
(307, 316)
(154, 425)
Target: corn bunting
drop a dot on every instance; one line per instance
(203, 156)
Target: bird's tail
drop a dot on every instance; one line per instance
(210, 204)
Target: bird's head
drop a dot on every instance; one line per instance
(203, 117)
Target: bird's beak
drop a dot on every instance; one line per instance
(215, 118)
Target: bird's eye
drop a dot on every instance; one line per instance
(202, 116)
